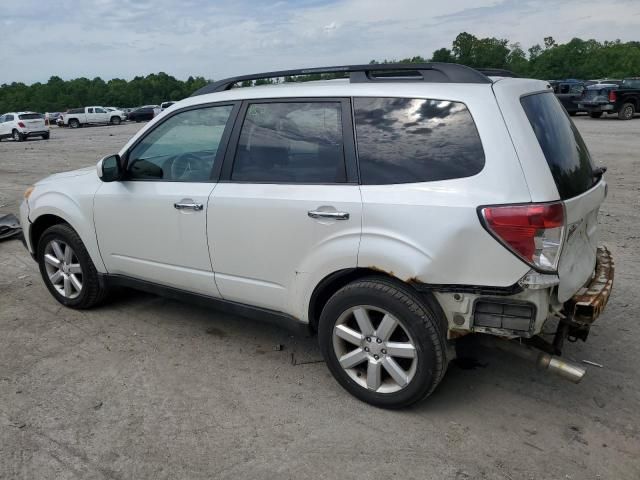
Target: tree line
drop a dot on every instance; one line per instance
(585, 59)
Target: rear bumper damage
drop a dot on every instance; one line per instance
(589, 302)
(575, 319)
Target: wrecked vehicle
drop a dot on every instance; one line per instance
(392, 211)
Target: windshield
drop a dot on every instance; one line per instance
(31, 116)
(563, 147)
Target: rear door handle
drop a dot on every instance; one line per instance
(188, 206)
(332, 215)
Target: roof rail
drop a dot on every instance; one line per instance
(378, 72)
(497, 72)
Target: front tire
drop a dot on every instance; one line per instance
(382, 342)
(67, 269)
(627, 111)
(73, 123)
(45, 136)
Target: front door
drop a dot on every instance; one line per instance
(288, 210)
(152, 224)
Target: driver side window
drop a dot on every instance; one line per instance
(181, 149)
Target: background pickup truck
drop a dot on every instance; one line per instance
(568, 92)
(77, 117)
(623, 100)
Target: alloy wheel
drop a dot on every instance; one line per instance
(63, 268)
(375, 349)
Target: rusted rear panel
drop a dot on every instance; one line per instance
(586, 305)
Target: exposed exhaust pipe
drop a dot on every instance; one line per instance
(544, 361)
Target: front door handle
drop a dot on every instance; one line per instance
(331, 215)
(188, 206)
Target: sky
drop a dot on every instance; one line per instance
(217, 39)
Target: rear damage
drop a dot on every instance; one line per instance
(562, 296)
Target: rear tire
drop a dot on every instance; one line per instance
(45, 136)
(70, 275)
(595, 114)
(393, 368)
(573, 114)
(627, 111)
(17, 136)
(115, 120)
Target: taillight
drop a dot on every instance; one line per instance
(21, 125)
(533, 232)
(612, 96)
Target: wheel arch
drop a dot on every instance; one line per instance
(42, 223)
(338, 279)
(61, 209)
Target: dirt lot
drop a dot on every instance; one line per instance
(150, 388)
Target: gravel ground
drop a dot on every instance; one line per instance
(144, 387)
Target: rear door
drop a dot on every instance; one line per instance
(287, 211)
(558, 166)
(90, 115)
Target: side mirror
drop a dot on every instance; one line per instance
(110, 168)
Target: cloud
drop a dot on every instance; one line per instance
(125, 38)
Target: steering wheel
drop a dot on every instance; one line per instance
(183, 164)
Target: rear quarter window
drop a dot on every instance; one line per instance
(563, 147)
(407, 140)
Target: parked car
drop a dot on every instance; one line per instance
(568, 92)
(622, 100)
(143, 113)
(392, 217)
(52, 117)
(609, 81)
(165, 105)
(22, 125)
(78, 117)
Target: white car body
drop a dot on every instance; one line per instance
(95, 115)
(21, 125)
(276, 246)
(383, 217)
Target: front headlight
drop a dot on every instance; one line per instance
(28, 192)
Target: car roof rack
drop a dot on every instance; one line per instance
(377, 72)
(498, 72)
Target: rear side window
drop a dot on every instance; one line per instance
(31, 116)
(563, 147)
(292, 142)
(406, 140)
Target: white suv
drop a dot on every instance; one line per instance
(22, 125)
(392, 212)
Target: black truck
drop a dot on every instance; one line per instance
(569, 92)
(622, 100)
